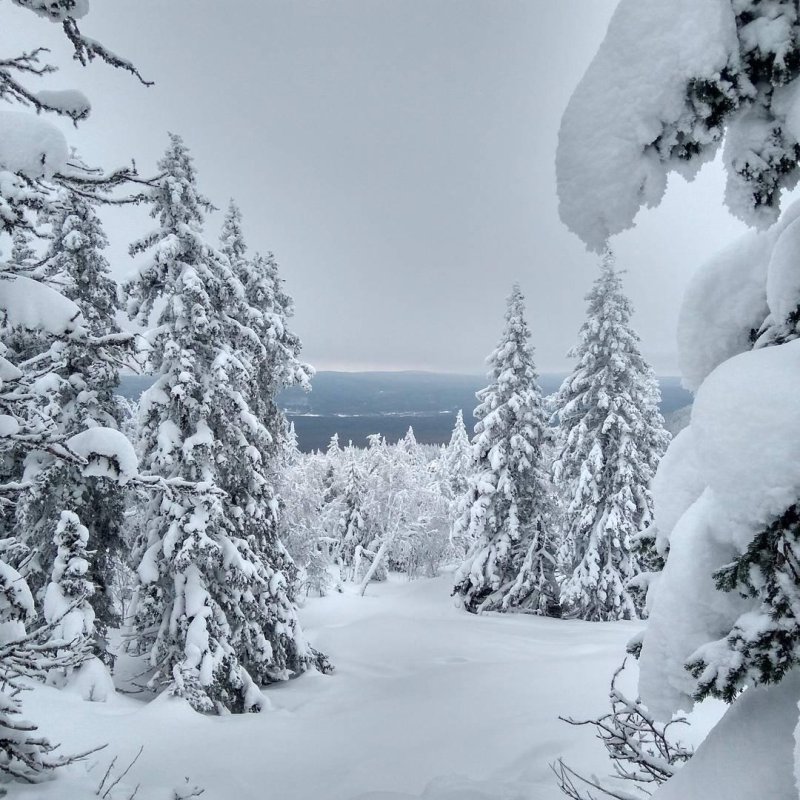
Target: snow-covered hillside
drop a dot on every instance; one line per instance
(425, 701)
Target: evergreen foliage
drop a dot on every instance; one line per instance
(508, 509)
(75, 265)
(213, 610)
(763, 644)
(610, 439)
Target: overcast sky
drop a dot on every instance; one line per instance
(396, 155)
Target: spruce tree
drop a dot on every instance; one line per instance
(212, 611)
(456, 460)
(272, 350)
(508, 506)
(75, 264)
(610, 440)
(352, 531)
(67, 601)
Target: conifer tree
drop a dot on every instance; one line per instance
(610, 440)
(213, 610)
(457, 459)
(264, 311)
(67, 603)
(508, 506)
(352, 529)
(22, 254)
(75, 264)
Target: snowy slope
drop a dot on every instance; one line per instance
(422, 692)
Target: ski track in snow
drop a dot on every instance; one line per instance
(426, 701)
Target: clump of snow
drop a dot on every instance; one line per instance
(746, 426)
(9, 372)
(632, 92)
(30, 304)
(109, 453)
(91, 681)
(8, 425)
(73, 103)
(783, 276)
(725, 301)
(30, 145)
(686, 609)
(676, 485)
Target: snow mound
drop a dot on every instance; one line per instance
(725, 300)
(746, 425)
(632, 92)
(677, 484)
(783, 276)
(686, 609)
(109, 453)
(92, 681)
(749, 754)
(29, 304)
(67, 101)
(31, 146)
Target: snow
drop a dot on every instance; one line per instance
(632, 93)
(750, 752)
(8, 425)
(741, 446)
(31, 146)
(685, 610)
(29, 304)
(746, 426)
(68, 101)
(425, 701)
(783, 276)
(677, 484)
(724, 301)
(109, 453)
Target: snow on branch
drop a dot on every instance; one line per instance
(643, 751)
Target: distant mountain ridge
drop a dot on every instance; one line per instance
(356, 404)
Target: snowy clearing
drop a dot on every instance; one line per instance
(422, 694)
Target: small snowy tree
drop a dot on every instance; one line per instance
(610, 439)
(352, 529)
(456, 459)
(508, 506)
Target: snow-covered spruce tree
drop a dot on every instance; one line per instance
(212, 611)
(22, 255)
(456, 459)
(723, 613)
(34, 161)
(74, 264)
(509, 501)
(610, 439)
(67, 604)
(351, 527)
(264, 312)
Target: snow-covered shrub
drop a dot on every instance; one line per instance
(644, 752)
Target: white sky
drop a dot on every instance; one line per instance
(396, 155)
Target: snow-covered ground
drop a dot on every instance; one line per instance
(423, 693)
